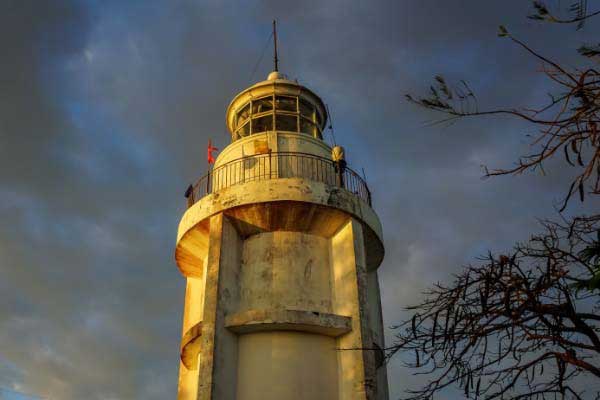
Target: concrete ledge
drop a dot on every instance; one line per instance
(192, 237)
(190, 346)
(281, 189)
(288, 320)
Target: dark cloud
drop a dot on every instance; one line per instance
(107, 107)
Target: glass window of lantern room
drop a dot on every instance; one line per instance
(318, 119)
(284, 122)
(244, 130)
(286, 103)
(307, 127)
(318, 133)
(243, 115)
(306, 109)
(262, 105)
(262, 124)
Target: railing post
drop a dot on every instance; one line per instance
(208, 182)
(340, 168)
(189, 195)
(270, 166)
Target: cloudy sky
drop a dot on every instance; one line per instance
(105, 111)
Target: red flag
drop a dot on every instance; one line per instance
(209, 151)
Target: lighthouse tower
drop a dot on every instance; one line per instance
(280, 247)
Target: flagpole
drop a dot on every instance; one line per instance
(275, 59)
(208, 155)
(210, 160)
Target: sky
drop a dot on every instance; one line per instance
(105, 111)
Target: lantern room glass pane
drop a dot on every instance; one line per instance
(243, 115)
(286, 122)
(285, 103)
(306, 109)
(319, 119)
(308, 127)
(244, 130)
(262, 105)
(262, 124)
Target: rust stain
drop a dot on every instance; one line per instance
(308, 270)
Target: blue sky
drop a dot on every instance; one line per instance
(7, 394)
(105, 111)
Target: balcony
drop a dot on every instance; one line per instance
(278, 165)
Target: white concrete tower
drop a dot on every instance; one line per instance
(280, 248)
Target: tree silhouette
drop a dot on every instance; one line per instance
(518, 325)
(524, 324)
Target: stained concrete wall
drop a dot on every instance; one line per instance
(191, 235)
(376, 325)
(194, 302)
(356, 366)
(285, 314)
(275, 141)
(251, 288)
(218, 354)
(287, 365)
(301, 143)
(192, 314)
(187, 388)
(246, 147)
(288, 270)
(243, 168)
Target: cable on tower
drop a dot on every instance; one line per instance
(330, 127)
(262, 54)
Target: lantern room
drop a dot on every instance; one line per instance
(277, 104)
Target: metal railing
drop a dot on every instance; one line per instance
(277, 165)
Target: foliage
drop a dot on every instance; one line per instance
(577, 13)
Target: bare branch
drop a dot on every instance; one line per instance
(496, 328)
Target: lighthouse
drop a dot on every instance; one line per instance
(280, 247)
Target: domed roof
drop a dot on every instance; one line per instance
(276, 75)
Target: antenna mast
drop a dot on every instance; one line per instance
(275, 45)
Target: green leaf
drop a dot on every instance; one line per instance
(502, 32)
(594, 282)
(589, 51)
(536, 17)
(542, 12)
(540, 7)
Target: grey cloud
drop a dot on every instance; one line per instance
(107, 108)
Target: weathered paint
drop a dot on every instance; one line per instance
(289, 320)
(356, 371)
(192, 233)
(287, 365)
(282, 298)
(285, 270)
